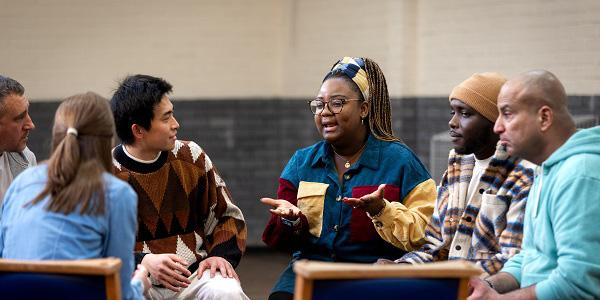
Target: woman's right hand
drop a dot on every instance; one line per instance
(283, 208)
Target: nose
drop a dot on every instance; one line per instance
(453, 123)
(499, 126)
(28, 123)
(175, 125)
(326, 108)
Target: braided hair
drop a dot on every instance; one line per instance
(380, 114)
(380, 111)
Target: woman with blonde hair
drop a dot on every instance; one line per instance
(358, 195)
(73, 207)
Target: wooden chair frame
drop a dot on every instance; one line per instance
(309, 271)
(107, 267)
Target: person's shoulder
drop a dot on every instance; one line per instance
(192, 154)
(29, 155)
(522, 165)
(114, 181)
(396, 148)
(303, 159)
(34, 172)
(182, 143)
(187, 149)
(511, 164)
(398, 156)
(24, 157)
(398, 153)
(310, 151)
(118, 156)
(31, 175)
(576, 177)
(117, 187)
(515, 172)
(581, 165)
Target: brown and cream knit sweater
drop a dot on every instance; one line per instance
(183, 207)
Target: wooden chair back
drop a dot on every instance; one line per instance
(327, 280)
(60, 279)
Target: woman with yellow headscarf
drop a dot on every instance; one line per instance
(358, 195)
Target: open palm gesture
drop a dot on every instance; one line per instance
(371, 203)
(283, 208)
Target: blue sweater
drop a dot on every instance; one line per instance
(33, 233)
(561, 240)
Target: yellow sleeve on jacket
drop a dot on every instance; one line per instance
(403, 224)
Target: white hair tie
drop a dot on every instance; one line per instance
(72, 131)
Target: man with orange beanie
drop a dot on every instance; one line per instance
(481, 198)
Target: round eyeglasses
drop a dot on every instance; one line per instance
(335, 106)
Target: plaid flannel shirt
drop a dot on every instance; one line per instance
(488, 230)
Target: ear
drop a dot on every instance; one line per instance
(545, 118)
(364, 109)
(137, 131)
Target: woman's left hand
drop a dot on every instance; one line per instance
(371, 203)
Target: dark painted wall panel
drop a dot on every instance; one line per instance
(250, 141)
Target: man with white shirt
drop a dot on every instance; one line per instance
(15, 125)
(481, 199)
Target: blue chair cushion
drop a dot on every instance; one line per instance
(386, 288)
(51, 286)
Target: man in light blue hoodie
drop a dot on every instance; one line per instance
(560, 257)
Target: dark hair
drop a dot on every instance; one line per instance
(9, 86)
(78, 159)
(133, 103)
(380, 112)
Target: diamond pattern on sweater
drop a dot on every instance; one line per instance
(207, 164)
(211, 221)
(199, 242)
(225, 196)
(145, 249)
(186, 174)
(219, 181)
(154, 185)
(184, 251)
(181, 204)
(116, 164)
(178, 198)
(195, 151)
(233, 211)
(178, 145)
(151, 223)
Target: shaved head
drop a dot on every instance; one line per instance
(534, 119)
(539, 88)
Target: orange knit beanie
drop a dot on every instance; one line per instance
(480, 92)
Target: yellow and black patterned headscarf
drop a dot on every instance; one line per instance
(355, 69)
(369, 79)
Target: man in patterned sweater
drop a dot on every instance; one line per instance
(190, 235)
(481, 198)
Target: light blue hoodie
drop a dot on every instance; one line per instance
(561, 243)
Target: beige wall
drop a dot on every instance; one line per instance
(225, 48)
(325, 31)
(458, 38)
(282, 48)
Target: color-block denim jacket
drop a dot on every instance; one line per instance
(329, 229)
